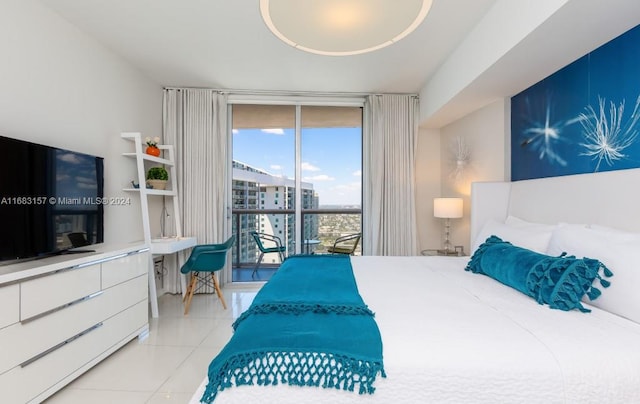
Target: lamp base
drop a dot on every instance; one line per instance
(453, 253)
(456, 251)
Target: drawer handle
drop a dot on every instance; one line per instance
(64, 306)
(79, 266)
(60, 345)
(111, 258)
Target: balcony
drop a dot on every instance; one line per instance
(320, 228)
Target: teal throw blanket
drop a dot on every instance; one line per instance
(308, 326)
(316, 283)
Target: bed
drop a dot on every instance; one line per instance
(452, 336)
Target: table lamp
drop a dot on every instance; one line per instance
(447, 209)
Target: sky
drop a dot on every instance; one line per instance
(331, 158)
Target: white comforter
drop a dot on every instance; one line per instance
(450, 336)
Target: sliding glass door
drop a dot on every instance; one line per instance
(296, 177)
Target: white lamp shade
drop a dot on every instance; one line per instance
(448, 208)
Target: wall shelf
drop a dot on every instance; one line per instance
(168, 245)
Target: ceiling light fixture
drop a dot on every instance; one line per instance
(342, 27)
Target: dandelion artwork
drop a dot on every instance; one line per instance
(461, 156)
(543, 136)
(583, 118)
(607, 134)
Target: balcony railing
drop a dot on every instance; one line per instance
(320, 228)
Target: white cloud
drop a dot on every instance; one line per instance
(309, 167)
(321, 177)
(69, 158)
(330, 193)
(348, 187)
(85, 182)
(357, 173)
(235, 131)
(274, 131)
(275, 167)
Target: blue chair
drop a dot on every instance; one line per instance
(267, 243)
(205, 258)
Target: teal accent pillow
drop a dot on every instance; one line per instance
(560, 282)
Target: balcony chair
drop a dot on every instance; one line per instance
(205, 258)
(346, 244)
(267, 243)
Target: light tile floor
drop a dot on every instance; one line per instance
(169, 365)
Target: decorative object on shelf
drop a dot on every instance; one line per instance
(152, 146)
(461, 157)
(137, 186)
(447, 208)
(157, 177)
(156, 184)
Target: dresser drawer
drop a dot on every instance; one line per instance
(22, 384)
(122, 269)
(9, 305)
(42, 294)
(43, 333)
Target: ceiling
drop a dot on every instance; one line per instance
(225, 44)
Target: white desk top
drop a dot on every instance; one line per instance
(170, 245)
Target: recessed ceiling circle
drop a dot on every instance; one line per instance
(343, 27)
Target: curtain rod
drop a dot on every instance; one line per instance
(285, 93)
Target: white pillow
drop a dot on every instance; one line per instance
(535, 238)
(514, 221)
(611, 230)
(619, 251)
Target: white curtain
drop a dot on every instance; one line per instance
(389, 144)
(195, 122)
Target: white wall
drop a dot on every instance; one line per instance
(61, 88)
(459, 84)
(486, 132)
(427, 187)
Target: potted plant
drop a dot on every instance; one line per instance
(157, 177)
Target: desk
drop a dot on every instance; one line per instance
(170, 245)
(164, 246)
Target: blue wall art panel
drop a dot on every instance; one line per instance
(584, 118)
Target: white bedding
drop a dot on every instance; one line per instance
(450, 336)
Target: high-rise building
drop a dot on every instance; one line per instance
(257, 189)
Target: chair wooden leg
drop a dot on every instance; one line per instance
(189, 295)
(186, 292)
(218, 291)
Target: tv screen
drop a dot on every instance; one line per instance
(50, 200)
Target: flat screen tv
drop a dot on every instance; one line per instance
(50, 200)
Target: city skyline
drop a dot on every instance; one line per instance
(330, 159)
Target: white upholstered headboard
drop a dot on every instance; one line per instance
(609, 198)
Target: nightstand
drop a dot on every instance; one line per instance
(458, 251)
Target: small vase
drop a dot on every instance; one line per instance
(157, 184)
(153, 151)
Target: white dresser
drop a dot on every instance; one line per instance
(60, 316)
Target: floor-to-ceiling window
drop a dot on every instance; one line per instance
(297, 177)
